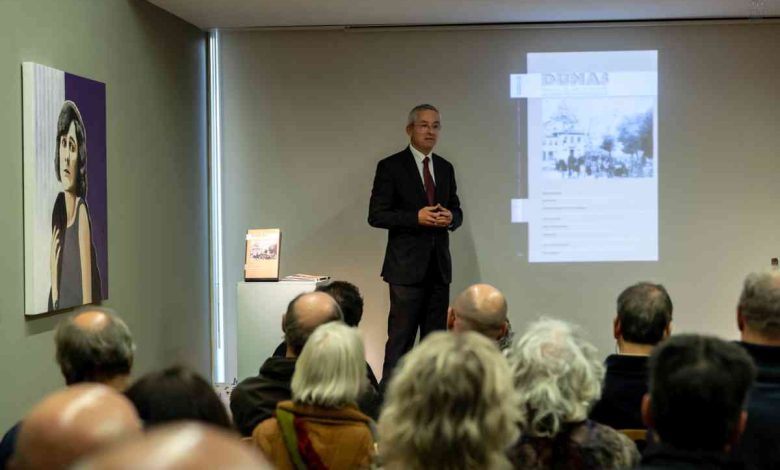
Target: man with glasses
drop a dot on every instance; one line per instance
(415, 198)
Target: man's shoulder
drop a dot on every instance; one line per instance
(273, 371)
(396, 157)
(439, 161)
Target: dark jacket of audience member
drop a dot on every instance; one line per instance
(644, 315)
(759, 446)
(625, 384)
(255, 399)
(698, 386)
(758, 319)
(177, 394)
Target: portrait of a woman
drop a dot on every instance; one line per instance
(75, 278)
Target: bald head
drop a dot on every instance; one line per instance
(71, 423)
(304, 314)
(94, 345)
(180, 446)
(481, 308)
(91, 320)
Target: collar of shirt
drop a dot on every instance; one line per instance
(418, 158)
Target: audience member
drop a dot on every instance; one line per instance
(322, 427)
(480, 308)
(758, 318)
(698, 386)
(255, 398)
(644, 318)
(449, 405)
(558, 377)
(93, 345)
(179, 446)
(347, 295)
(176, 394)
(72, 423)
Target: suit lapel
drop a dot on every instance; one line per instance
(414, 175)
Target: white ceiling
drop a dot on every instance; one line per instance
(209, 14)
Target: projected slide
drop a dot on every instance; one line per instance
(592, 179)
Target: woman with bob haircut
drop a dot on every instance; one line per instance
(450, 405)
(75, 279)
(558, 378)
(321, 427)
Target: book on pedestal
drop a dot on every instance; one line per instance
(261, 262)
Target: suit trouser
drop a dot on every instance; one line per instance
(412, 306)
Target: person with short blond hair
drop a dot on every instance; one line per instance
(450, 405)
(322, 427)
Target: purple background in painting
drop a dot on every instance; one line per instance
(90, 98)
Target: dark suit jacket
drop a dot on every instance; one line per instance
(625, 383)
(398, 194)
(759, 446)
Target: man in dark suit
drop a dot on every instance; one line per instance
(415, 198)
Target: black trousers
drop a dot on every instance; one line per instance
(412, 306)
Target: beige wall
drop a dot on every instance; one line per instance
(154, 68)
(308, 114)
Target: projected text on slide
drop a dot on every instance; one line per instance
(592, 156)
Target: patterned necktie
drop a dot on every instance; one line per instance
(430, 188)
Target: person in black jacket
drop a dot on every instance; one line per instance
(415, 198)
(644, 318)
(758, 319)
(695, 408)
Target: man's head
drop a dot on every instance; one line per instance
(94, 345)
(423, 127)
(481, 308)
(304, 314)
(758, 312)
(644, 314)
(72, 423)
(698, 386)
(348, 297)
(180, 446)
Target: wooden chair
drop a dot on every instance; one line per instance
(639, 436)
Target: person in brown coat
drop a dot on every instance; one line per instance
(321, 427)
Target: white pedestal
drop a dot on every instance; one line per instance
(261, 306)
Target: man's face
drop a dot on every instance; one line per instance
(425, 130)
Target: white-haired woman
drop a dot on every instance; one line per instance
(450, 405)
(322, 428)
(558, 378)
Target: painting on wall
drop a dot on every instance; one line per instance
(65, 204)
